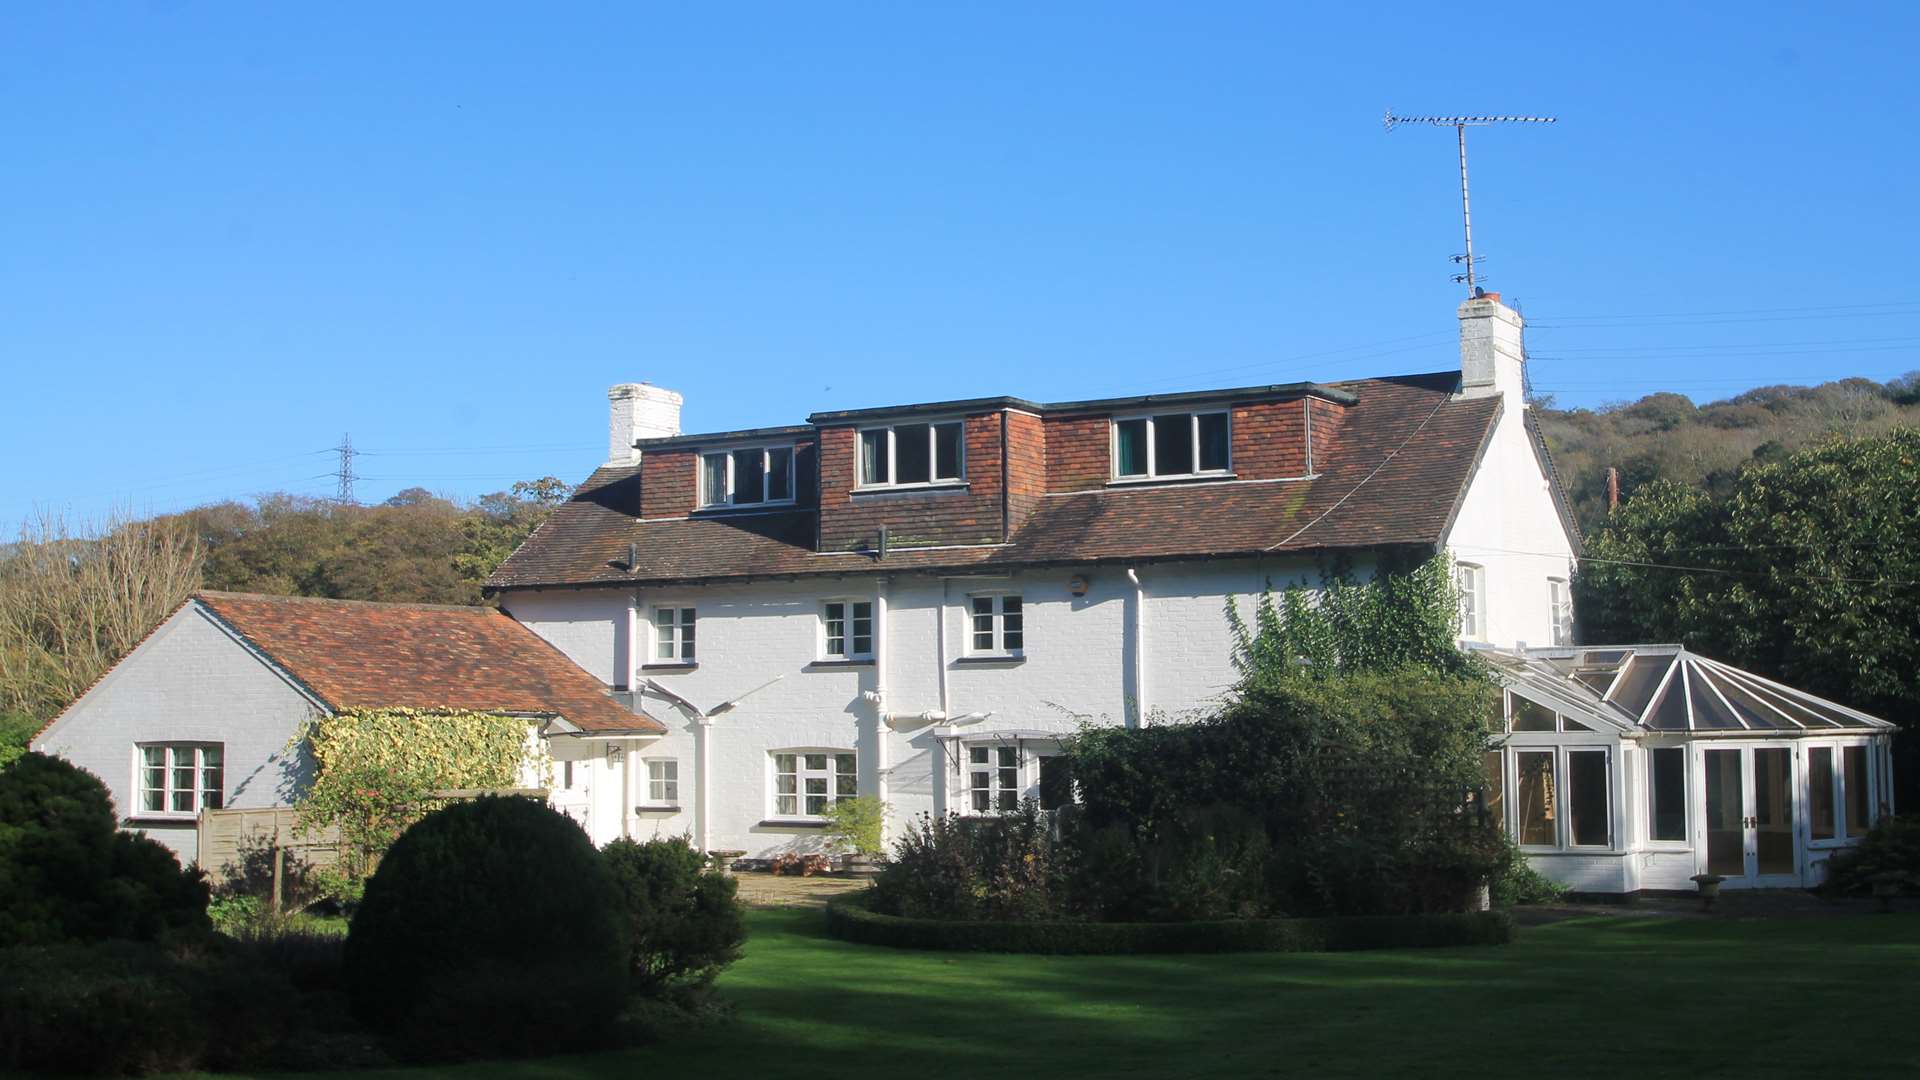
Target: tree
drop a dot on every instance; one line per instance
(71, 605)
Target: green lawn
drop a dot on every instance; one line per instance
(1600, 996)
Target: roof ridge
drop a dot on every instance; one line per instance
(221, 594)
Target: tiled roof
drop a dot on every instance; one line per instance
(1394, 476)
(357, 655)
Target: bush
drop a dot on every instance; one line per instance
(16, 731)
(1890, 847)
(683, 923)
(489, 930)
(858, 825)
(851, 919)
(127, 1007)
(68, 874)
(971, 868)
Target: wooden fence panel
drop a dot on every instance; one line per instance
(227, 835)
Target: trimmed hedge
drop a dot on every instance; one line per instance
(849, 919)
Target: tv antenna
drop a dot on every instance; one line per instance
(1460, 124)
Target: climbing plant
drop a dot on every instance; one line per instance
(1403, 617)
(377, 772)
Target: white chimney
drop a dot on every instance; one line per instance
(1492, 360)
(639, 411)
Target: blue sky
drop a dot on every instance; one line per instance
(231, 232)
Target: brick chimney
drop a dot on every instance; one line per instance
(639, 411)
(1492, 360)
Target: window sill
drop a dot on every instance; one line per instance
(687, 666)
(991, 660)
(656, 809)
(939, 487)
(150, 819)
(836, 665)
(1183, 478)
(723, 509)
(791, 823)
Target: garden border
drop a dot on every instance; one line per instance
(849, 919)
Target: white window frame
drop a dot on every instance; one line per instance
(1560, 610)
(803, 772)
(663, 781)
(1560, 775)
(1685, 843)
(1837, 764)
(674, 642)
(1470, 587)
(999, 797)
(1193, 438)
(766, 477)
(863, 483)
(997, 624)
(849, 636)
(170, 758)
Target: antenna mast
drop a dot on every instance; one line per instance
(1460, 124)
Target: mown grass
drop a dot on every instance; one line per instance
(1587, 997)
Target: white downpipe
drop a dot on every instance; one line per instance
(882, 652)
(1139, 657)
(703, 776)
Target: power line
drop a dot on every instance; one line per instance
(1697, 569)
(344, 476)
(1363, 480)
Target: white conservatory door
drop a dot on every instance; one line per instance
(1750, 815)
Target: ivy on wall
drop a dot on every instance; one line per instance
(1404, 617)
(377, 771)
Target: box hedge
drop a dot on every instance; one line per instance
(850, 919)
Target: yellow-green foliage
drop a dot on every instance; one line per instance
(377, 770)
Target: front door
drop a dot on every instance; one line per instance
(1751, 815)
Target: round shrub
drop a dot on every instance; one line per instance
(682, 921)
(68, 874)
(489, 930)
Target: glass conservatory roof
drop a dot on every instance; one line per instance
(1665, 688)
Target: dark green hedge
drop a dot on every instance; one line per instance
(849, 920)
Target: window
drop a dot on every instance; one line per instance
(908, 454)
(673, 635)
(1469, 583)
(1531, 715)
(663, 781)
(1823, 809)
(806, 782)
(849, 629)
(747, 477)
(1494, 795)
(1535, 791)
(998, 626)
(1859, 804)
(182, 778)
(1171, 444)
(1667, 793)
(1589, 802)
(1560, 606)
(993, 778)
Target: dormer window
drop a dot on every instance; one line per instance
(906, 455)
(751, 477)
(1170, 445)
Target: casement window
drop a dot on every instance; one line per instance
(847, 630)
(1563, 798)
(1171, 445)
(1560, 608)
(908, 454)
(993, 779)
(663, 781)
(1667, 794)
(750, 477)
(1530, 716)
(806, 782)
(181, 778)
(673, 635)
(1470, 586)
(998, 626)
(1589, 799)
(1839, 793)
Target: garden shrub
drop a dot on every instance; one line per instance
(971, 868)
(858, 825)
(489, 929)
(68, 874)
(683, 923)
(1891, 847)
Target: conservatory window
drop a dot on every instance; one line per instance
(1531, 715)
(998, 626)
(993, 778)
(848, 629)
(663, 781)
(762, 474)
(1667, 792)
(1470, 584)
(182, 778)
(806, 782)
(1494, 794)
(673, 634)
(909, 454)
(1171, 444)
(1859, 805)
(1823, 808)
(1589, 818)
(1560, 604)
(1534, 789)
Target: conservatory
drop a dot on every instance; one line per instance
(1632, 768)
